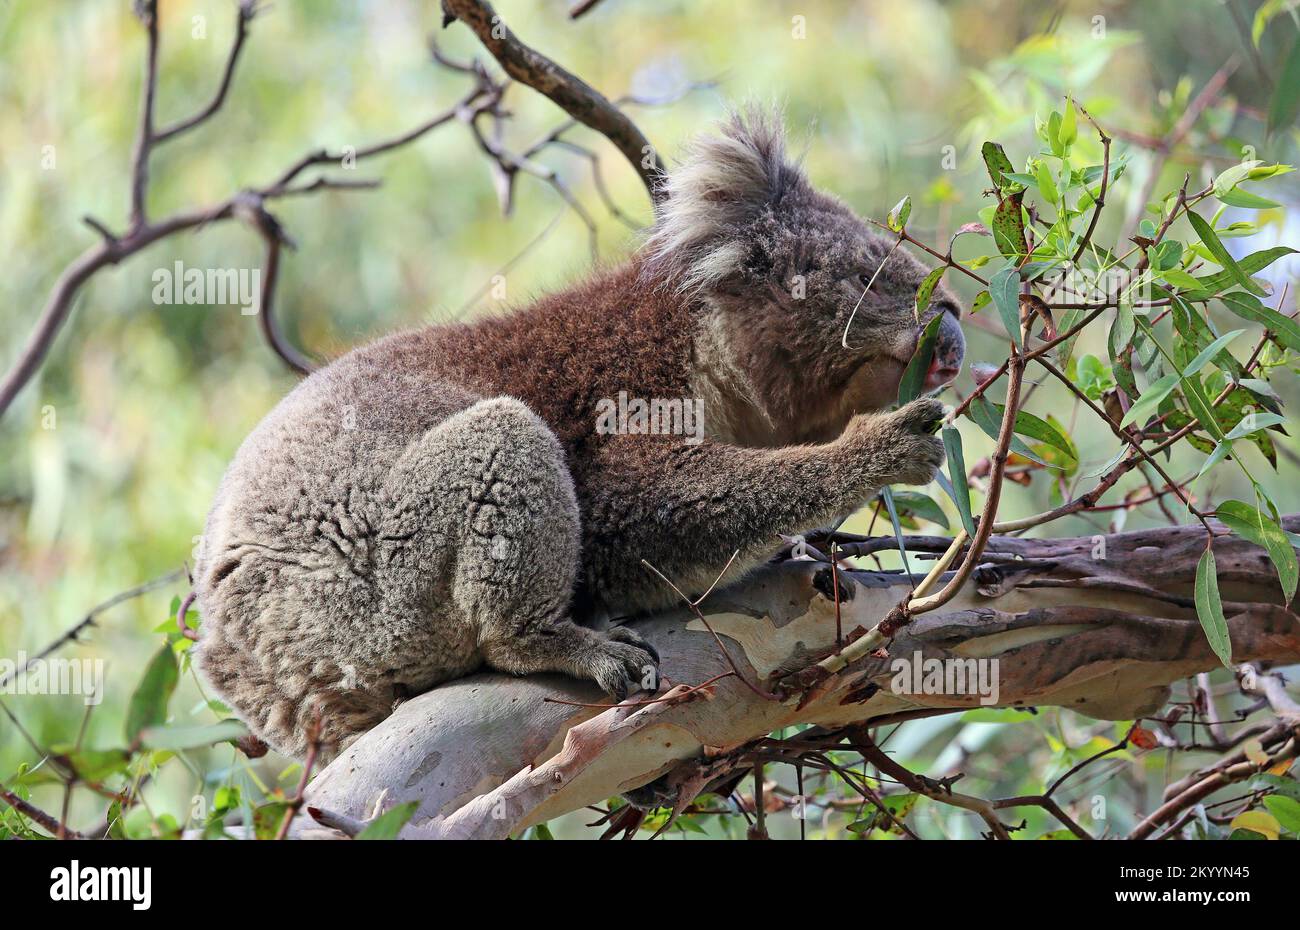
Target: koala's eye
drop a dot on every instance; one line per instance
(864, 279)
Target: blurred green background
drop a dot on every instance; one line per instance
(150, 402)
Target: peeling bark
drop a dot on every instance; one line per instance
(489, 755)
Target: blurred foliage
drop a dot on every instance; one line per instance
(109, 459)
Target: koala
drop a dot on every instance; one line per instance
(442, 500)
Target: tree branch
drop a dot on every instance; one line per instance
(569, 92)
(490, 755)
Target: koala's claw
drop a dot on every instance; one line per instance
(623, 664)
(625, 634)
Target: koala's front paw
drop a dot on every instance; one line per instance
(904, 443)
(623, 663)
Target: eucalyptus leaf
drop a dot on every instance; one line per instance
(1221, 255)
(899, 216)
(1250, 524)
(912, 383)
(1147, 404)
(1209, 608)
(1004, 289)
(1249, 308)
(148, 706)
(957, 473)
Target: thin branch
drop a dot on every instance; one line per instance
(1105, 183)
(245, 11)
(147, 11)
(70, 635)
(573, 95)
(48, 822)
(273, 237)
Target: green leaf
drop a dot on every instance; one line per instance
(1166, 255)
(1180, 279)
(920, 505)
(1122, 330)
(1091, 374)
(1209, 352)
(912, 383)
(267, 819)
(95, 765)
(192, 737)
(898, 216)
(887, 495)
(1247, 200)
(1266, 12)
(1209, 608)
(1199, 403)
(388, 824)
(1280, 784)
(1221, 452)
(116, 831)
(926, 290)
(1252, 525)
(1108, 465)
(1284, 106)
(1211, 239)
(1253, 423)
(1286, 811)
(1009, 226)
(1263, 172)
(957, 473)
(1004, 288)
(1249, 308)
(1149, 402)
(1069, 130)
(988, 417)
(1036, 428)
(1046, 185)
(1251, 264)
(995, 159)
(1054, 134)
(148, 707)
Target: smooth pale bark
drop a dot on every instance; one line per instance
(488, 756)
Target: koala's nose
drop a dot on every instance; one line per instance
(949, 350)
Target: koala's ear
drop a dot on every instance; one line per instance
(726, 179)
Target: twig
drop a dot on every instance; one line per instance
(566, 90)
(70, 635)
(48, 822)
(695, 607)
(308, 763)
(245, 11)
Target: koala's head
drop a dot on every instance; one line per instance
(777, 269)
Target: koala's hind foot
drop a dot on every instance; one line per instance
(504, 498)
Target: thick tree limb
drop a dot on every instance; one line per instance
(490, 755)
